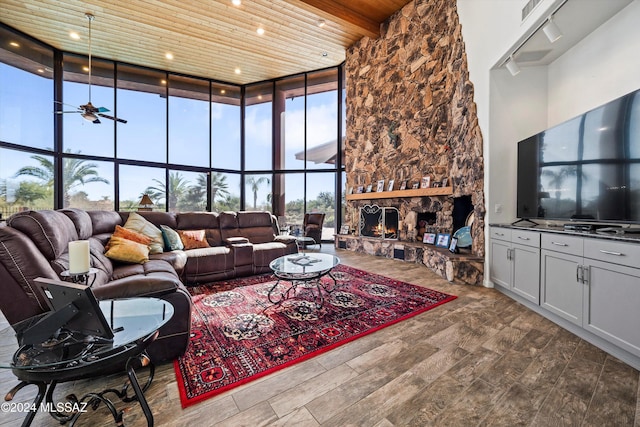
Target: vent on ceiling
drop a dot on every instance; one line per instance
(528, 8)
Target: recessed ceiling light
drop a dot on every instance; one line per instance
(321, 23)
(14, 44)
(85, 69)
(325, 54)
(236, 2)
(164, 82)
(40, 70)
(168, 55)
(259, 96)
(222, 91)
(237, 71)
(260, 31)
(74, 35)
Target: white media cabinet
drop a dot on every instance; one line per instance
(586, 282)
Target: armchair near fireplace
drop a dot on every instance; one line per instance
(312, 226)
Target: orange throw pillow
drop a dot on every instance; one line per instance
(134, 236)
(127, 251)
(193, 239)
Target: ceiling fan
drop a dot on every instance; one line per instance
(88, 111)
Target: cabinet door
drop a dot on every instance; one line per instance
(611, 303)
(561, 293)
(526, 272)
(500, 264)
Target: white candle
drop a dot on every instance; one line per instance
(79, 256)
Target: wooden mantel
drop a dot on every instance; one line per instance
(397, 194)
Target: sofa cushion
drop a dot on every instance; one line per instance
(137, 223)
(258, 227)
(51, 231)
(157, 218)
(134, 236)
(124, 250)
(81, 220)
(177, 259)
(172, 241)
(153, 278)
(207, 221)
(193, 239)
(104, 221)
(203, 262)
(264, 253)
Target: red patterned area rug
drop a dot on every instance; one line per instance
(237, 335)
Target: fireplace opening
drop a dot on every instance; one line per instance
(425, 222)
(379, 222)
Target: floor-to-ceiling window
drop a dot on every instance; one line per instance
(190, 143)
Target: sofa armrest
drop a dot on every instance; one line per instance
(230, 241)
(285, 239)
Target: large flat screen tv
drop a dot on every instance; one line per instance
(585, 169)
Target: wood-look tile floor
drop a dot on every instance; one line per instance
(481, 360)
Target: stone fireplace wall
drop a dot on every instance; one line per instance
(410, 113)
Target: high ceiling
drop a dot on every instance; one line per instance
(207, 38)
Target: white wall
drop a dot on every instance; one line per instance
(602, 67)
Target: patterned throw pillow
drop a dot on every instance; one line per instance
(193, 239)
(137, 222)
(129, 251)
(172, 241)
(129, 235)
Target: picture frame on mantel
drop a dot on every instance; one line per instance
(443, 240)
(380, 188)
(426, 182)
(403, 186)
(390, 185)
(369, 187)
(445, 182)
(429, 238)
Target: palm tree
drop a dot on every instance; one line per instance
(178, 188)
(255, 183)
(219, 187)
(75, 172)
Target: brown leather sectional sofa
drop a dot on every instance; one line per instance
(35, 244)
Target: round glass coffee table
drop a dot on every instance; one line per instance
(302, 268)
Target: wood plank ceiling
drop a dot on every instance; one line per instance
(207, 38)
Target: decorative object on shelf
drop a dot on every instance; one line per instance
(344, 229)
(79, 257)
(445, 182)
(453, 246)
(443, 240)
(350, 191)
(145, 204)
(429, 238)
(360, 189)
(436, 185)
(390, 186)
(369, 188)
(463, 236)
(380, 188)
(416, 185)
(403, 186)
(426, 182)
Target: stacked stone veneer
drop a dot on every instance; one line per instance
(410, 113)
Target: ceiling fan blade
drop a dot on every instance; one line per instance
(63, 112)
(112, 118)
(96, 121)
(102, 109)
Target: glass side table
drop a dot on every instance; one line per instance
(69, 357)
(87, 278)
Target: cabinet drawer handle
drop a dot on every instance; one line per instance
(611, 253)
(559, 244)
(523, 238)
(499, 234)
